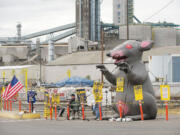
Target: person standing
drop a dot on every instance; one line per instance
(96, 108)
(74, 107)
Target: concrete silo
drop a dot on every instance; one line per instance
(120, 11)
(88, 19)
(164, 36)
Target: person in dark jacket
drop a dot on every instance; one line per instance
(61, 110)
(74, 106)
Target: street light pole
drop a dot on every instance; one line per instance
(127, 20)
(39, 54)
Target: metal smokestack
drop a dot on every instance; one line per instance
(51, 50)
(18, 26)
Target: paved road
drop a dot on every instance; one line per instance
(47, 127)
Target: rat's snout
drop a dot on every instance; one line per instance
(118, 53)
(108, 54)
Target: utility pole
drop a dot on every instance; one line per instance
(102, 52)
(39, 53)
(40, 65)
(127, 20)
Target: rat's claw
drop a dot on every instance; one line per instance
(122, 64)
(101, 66)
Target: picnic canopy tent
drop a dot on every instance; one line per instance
(74, 81)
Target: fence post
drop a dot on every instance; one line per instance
(68, 114)
(1, 99)
(10, 105)
(120, 109)
(7, 105)
(4, 104)
(51, 112)
(141, 110)
(100, 111)
(19, 105)
(83, 116)
(55, 112)
(29, 107)
(166, 110)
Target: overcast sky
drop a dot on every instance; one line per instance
(36, 15)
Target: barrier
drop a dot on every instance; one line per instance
(55, 109)
(141, 110)
(7, 105)
(48, 111)
(166, 103)
(29, 107)
(120, 109)
(100, 112)
(51, 115)
(68, 113)
(19, 105)
(4, 104)
(88, 113)
(10, 105)
(1, 104)
(83, 116)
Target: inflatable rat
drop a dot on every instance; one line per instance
(128, 58)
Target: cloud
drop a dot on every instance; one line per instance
(145, 8)
(37, 15)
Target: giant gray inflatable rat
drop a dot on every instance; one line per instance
(128, 58)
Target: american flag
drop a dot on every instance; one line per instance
(14, 86)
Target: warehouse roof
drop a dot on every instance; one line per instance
(158, 51)
(94, 57)
(91, 57)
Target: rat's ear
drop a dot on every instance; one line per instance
(146, 45)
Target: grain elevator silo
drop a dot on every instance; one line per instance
(120, 11)
(88, 19)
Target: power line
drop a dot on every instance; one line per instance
(164, 7)
(81, 64)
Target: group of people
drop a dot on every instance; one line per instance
(74, 106)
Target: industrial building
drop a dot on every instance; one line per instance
(162, 36)
(87, 31)
(88, 24)
(120, 11)
(166, 67)
(56, 58)
(47, 62)
(84, 64)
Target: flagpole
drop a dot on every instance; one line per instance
(1, 96)
(26, 81)
(10, 101)
(3, 88)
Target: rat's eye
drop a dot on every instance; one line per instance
(128, 46)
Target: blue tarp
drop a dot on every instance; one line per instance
(74, 81)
